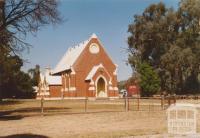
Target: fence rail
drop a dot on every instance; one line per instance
(88, 104)
(121, 104)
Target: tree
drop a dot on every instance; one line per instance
(19, 17)
(35, 75)
(121, 85)
(149, 80)
(14, 83)
(170, 41)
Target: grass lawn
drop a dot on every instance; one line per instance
(67, 118)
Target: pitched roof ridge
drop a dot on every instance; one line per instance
(93, 71)
(93, 36)
(71, 55)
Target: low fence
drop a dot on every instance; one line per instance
(120, 104)
(142, 103)
(88, 105)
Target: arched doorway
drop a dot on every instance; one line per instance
(101, 88)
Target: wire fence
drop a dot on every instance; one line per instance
(90, 105)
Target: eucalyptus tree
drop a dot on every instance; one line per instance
(169, 41)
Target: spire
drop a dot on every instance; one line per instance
(93, 35)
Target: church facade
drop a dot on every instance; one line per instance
(85, 70)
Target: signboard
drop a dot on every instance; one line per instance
(133, 90)
(182, 119)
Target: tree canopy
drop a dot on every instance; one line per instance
(149, 80)
(17, 19)
(35, 75)
(14, 83)
(169, 40)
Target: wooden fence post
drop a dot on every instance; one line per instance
(152, 106)
(126, 104)
(162, 102)
(149, 106)
(169, 100)
(174, 99)
(86, 104)
(42, 105)
(138, 104)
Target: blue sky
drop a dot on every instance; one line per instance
(109, 19)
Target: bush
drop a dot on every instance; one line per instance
(149, 80)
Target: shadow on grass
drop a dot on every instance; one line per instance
(10, 102)
(24, 136)
(10, 117)
(36, 109)
(18, 114)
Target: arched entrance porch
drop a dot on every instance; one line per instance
(101, 87)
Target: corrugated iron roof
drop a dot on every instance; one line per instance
(71, 56)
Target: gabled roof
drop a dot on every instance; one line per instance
(71, 56)
(94, 70)
(50, 80)
(53, 80)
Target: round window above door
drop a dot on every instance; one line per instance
(94, 48)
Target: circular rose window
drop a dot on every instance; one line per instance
(94, 48)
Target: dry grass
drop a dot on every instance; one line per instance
(67, 118)
(32, 107)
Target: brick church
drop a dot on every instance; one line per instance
(86, 70)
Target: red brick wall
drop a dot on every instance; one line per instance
(55, 90)
(84, 64)
(72, 80)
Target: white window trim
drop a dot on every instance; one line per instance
(73, 72)
(92, 82)
(115, 72)
(91, 88)
(72, 89)
(43, 93)
(110, 88)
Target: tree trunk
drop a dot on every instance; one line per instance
(2, 3)
(2, 14)
(180, 79)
